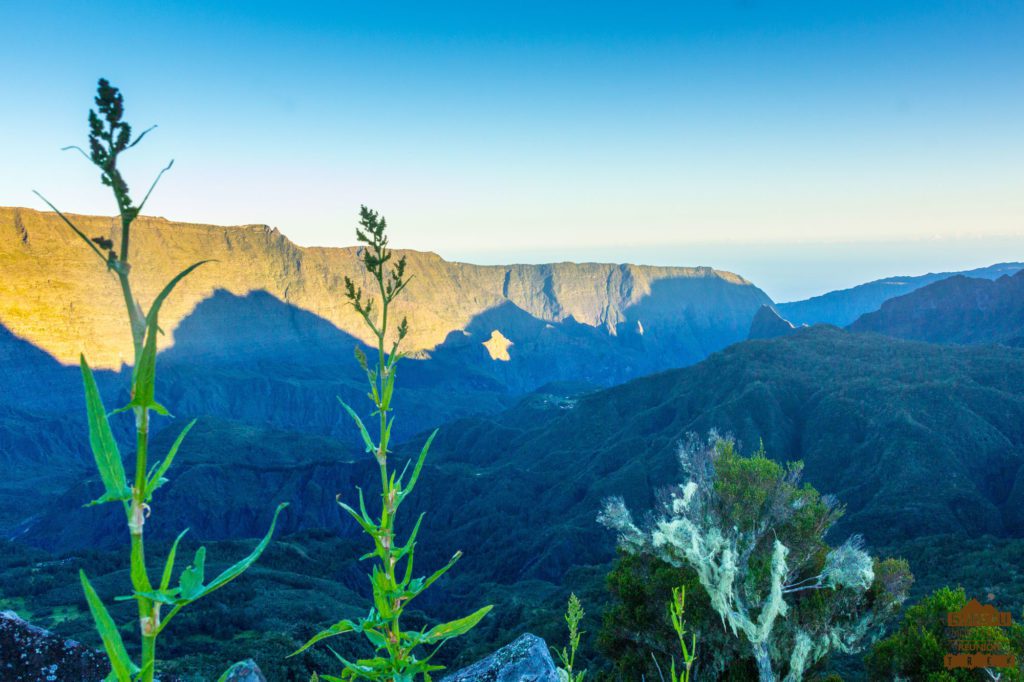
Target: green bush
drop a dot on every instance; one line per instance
(917, 650)
(636, 629)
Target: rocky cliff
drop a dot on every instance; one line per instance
(263, 334)
(57, 297)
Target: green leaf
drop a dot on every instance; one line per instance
(417, 586)
(338, 628)
(367, 526)
(70, 224)
(144, 375)
(101, 439)
(455, 628)
(363, 668)
(238, 568)
(370, 446)
(362, 507)
(411, 542)
(191, 580)
(382, 593)
(389, 387)
(419, 465)
(154, 310)
(157, 478)
(169, 597)
(165, 580)
(377, 639)
(121, 665)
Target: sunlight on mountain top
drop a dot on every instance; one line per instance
(497, 346)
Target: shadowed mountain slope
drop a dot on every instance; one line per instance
(955, 310)
(874, 419)
(842, 307)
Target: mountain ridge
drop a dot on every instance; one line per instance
(843, 306)
(959, 309)
(62, 301)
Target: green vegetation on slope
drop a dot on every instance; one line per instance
(872, 418)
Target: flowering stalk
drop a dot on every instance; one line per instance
(676, 609)
(109, 137)
(567, 655)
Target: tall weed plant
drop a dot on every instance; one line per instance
(392, 578)
(159, 599)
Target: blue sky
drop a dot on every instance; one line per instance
(806, 145)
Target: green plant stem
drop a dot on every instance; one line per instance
(148, 611)
(382, 627)
(388, 511)
(126, 224)
(135, 318)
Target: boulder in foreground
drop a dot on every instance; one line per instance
(525, 660)
(29, 653)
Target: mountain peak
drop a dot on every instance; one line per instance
(768, 324)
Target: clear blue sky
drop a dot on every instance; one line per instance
(807, 145)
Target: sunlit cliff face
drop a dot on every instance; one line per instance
(54, 297)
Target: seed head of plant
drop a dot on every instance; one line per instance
(109, 135)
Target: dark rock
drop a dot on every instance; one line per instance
(524, 660)
(768, 324)
(32, 654)
(245, 671)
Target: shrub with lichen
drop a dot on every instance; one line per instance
(754, 537)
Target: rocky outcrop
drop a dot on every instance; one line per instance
(245, 671)
(768, 324)
(32, 654)
(525, 660)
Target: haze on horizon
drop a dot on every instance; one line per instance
(806, 146)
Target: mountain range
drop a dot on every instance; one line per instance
(556, 384)
(268, 320)
(60, 301)
(844, 306)
(959, 309)
(874, 419)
